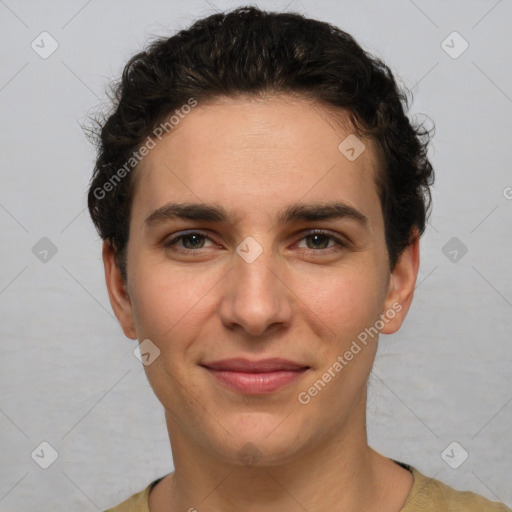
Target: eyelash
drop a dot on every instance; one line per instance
(340, 244)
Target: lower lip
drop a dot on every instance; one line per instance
(257, 383)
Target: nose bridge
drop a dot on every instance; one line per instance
(255, 297)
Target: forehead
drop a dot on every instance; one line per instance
(256, 155)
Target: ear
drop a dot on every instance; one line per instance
(118, 295)
(401, 287)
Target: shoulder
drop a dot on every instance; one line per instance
(139, 502)
(429, 494)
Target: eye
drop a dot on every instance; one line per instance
(319, 240)
(191, 242)
(187, 242)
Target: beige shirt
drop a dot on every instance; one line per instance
(426, 495)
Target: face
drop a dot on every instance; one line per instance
(254, 238)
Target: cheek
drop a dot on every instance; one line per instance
(167, 302)
(344, 301)
(169, 309)
(349, 304)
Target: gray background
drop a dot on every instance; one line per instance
(69, 377)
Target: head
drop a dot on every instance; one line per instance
(260, 192)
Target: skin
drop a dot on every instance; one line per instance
(304, 298)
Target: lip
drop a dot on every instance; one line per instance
(255, 377)
(240, 364)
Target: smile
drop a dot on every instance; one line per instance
(255, 377)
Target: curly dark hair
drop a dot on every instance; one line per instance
(250, 51)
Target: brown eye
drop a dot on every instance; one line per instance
(187, 242)
(192, 241)
(320, 240)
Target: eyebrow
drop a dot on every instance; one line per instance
(217, 213)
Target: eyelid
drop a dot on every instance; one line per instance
(176, 237)
(339, 240)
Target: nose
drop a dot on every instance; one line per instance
(256, 298)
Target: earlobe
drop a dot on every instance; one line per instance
(401, 286)
(118, 295)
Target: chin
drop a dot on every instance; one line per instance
(261, 440)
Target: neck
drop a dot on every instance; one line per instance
(340, 472)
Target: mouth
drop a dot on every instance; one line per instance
(255, 377)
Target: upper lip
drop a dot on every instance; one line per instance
(240, 364)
